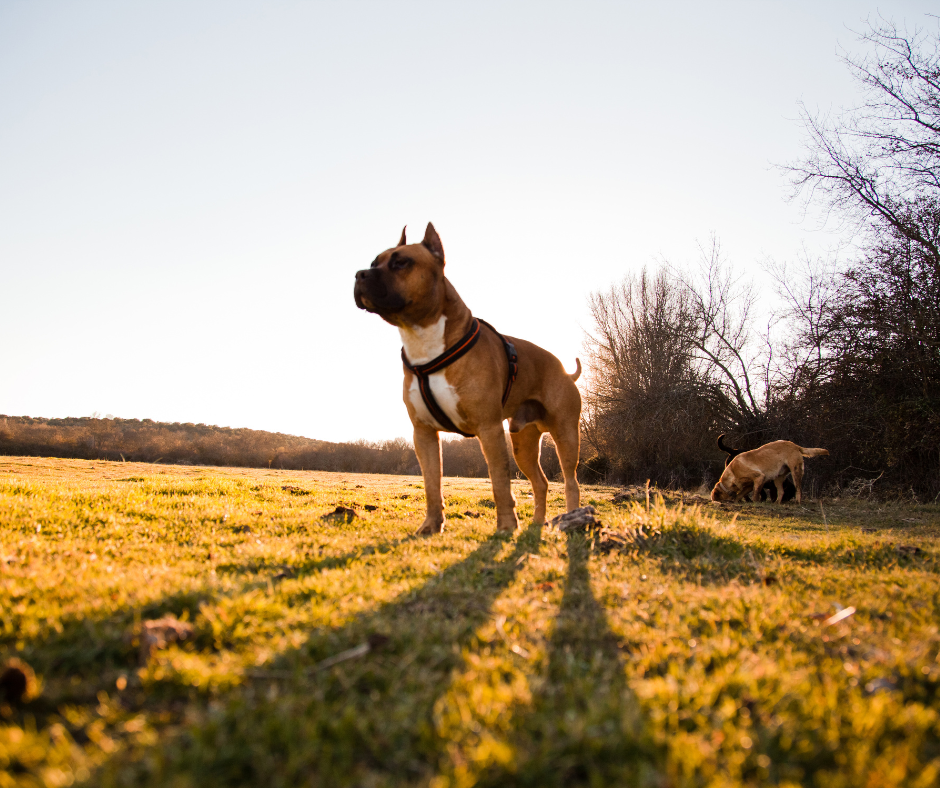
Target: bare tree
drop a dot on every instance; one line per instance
(728, 352)
(811, 292)
(863, 364)
(648, 405)
(878, 163)
(865, 360)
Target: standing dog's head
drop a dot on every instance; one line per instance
(404, 284)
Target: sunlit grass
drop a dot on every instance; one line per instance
(698, 647)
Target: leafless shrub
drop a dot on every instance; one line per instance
(860, 488)
(650, 408)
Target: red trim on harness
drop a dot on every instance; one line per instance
(452, 354)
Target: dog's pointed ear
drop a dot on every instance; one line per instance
(432, 242)
(402, 241)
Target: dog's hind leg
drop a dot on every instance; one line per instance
(797, 474)
(493, 442)
(525, 448)
(428, 449)
(568, 445)
(778, 483)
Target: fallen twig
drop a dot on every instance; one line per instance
(351, 653)
(375, 642)
(840, 616)
(515, 648)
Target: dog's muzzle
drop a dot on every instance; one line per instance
(373, 294)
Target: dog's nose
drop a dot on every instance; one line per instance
(360, 275)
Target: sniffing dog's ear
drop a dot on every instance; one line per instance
(432, 242)
(402, 240)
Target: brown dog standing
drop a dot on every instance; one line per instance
(460, 370)
(747, 472)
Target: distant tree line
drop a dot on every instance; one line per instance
(852, 360)
(145, 440)
(136, 440)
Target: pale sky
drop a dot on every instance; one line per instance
(188, 188)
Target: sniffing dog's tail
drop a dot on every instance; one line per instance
(577, 373)
(813, 452)
(732, 453)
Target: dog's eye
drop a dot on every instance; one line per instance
(397, 263)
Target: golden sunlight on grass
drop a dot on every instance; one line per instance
(201, 626)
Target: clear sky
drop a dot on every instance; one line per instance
(188, 188)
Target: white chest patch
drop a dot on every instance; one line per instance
(421, 346)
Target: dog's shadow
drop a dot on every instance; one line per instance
(584, 726)
(370, 719)
(300, 717)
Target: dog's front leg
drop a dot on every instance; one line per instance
(758, 488)
(428, 449)
(493, 441)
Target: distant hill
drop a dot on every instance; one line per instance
(145, 440)
(196, 444)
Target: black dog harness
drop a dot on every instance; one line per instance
(424, 371)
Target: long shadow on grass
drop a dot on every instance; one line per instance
(82, 656)
(366, 720)
(84, 653)
(584, 726)
(697, 554)
(85, 645)
(872, 556)
(309, 566)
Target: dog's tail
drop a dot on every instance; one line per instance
(813, 452)
(732, 453)
(577, 373)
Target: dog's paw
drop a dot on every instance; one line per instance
(507, 523)
(430, 526)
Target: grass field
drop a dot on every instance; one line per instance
(717, 646)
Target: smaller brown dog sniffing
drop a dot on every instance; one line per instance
(463, 376)
(769, 488)
(747, 472)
